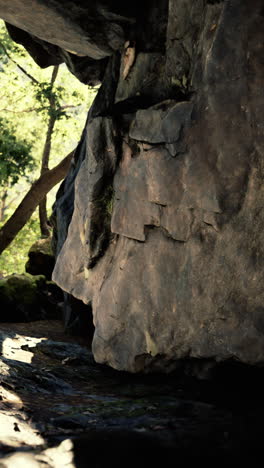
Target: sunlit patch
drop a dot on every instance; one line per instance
(15, 427)
(11, 347)
(60, 456)
(10, 399)
(16, 431)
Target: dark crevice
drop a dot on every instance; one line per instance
(135, 103)
(100, 232)
(213, 2)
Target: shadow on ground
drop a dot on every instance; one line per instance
(61, 409)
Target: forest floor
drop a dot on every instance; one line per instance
(58, 408)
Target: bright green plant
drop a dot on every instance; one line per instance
(16, 159)
(14, 258)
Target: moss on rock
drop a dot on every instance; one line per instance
(41, 258)
(24, 297)
(21, 287)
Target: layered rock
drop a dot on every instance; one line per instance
(165, 239)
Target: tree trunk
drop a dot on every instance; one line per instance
(43, 217)
(3, 204)
(31, 200)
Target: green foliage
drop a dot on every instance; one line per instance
(26, 101)
(45, 94)
(21, 288)
(25, 96)
(16, 159)
(14, 258)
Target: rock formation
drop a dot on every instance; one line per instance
(41, 259)
(163, 232)
(25, 298)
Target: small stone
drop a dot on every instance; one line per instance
(16, 427)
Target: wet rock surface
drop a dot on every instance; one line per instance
(59, 408)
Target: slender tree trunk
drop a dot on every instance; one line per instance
(43, 217)
(32, 199)
(3, 204)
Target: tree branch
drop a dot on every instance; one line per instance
(32, 199)
(24, 111)
(19, 66)
(37, 109)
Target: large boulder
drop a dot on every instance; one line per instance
(165, 238)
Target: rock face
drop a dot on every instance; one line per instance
(166, 233)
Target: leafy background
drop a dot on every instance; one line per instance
(24, 117)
